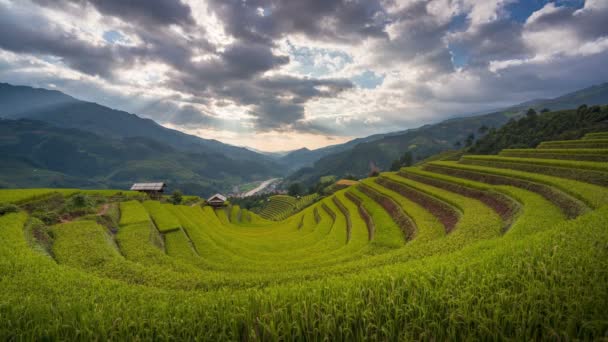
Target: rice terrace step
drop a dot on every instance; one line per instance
(303, 170)
(443, 216)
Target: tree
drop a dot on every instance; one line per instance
(407, 159)
(469, 140)
(79, 200)
(312, 189)
(396, 165)
(545, 110)
(458, 144)
(582, 109)
(295, 189)
(176, 197)
(531, 113)
(483, 129)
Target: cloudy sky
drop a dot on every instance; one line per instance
(283, 74)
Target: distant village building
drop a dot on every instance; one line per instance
(217, 200)
(154, 190)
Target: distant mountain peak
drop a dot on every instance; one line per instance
(62, 110)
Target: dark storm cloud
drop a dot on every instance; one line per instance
(587, 23)
(276, 102)
(163, 12)
(234, 73)
(247, 71)
(149, 22)
(242, 60)
(190, 116)
(25, 32)
(238, 63)
(281, 105)
(344, 20)
(156, 12)
(304, 88)
(417, 39)
(30, 33)
(492, 41)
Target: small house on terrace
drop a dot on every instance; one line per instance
(217, 200)
(154, 190)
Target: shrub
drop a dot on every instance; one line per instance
(48, 217)
(176, 197)
(8, 208)
(80, 200)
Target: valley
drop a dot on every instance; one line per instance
(303, 170)
(262, 187)
(45, 132)
(405, 239)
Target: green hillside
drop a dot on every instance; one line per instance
(36, 154)
(61, 110)
(535, 128)
(382, 149)
(483, 248)
(422, 142)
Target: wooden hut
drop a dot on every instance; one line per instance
(217, 200)
(154, 190)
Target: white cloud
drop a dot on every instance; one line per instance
(186, 73)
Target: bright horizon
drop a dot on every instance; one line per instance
(282, 75)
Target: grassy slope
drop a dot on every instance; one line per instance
(317, 275)
(541, 273)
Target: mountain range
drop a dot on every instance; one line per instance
(61, 110)
(52, 139)
(381, 150)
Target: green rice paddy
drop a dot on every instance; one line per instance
(509, 247)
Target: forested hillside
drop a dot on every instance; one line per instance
(380, 152)
(422, 142)
(61, 110)
(36, 154)
(306, 158)
(534, 128)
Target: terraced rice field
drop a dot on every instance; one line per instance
(280, 207)
(485, 248)
(22, 195)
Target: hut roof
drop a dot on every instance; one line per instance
(148, 186)
(217, 197)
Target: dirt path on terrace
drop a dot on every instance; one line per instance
(104, 209)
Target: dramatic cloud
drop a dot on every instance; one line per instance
(333, 20)
(161, 12)
(303, 73)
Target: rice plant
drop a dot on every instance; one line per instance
(485, 248)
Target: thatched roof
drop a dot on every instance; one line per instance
(148, 186)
